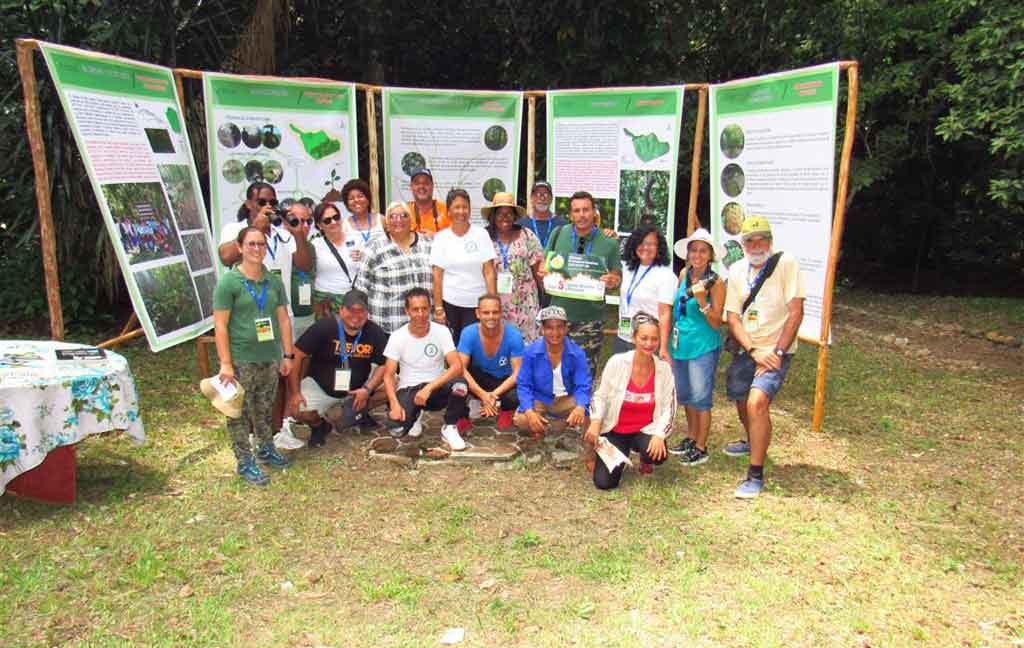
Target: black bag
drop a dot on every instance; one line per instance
(731, 344)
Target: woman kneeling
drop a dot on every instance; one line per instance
(635, 404)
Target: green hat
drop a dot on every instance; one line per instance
(755, 226)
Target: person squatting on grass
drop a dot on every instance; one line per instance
(251, 325)
(635, 404)
(765, 328)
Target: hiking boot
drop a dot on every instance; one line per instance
(450, 434)
(250, 472)
(740, 448)
(269, 456)
(694, 457)
(504, 420)
(683, 447)
(318, 434)
(750, 488)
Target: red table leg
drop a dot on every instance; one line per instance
(52, 481)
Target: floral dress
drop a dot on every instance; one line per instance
(520, 307)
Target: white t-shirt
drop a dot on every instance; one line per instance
(330, 278)
(557, 384)
(360, 237)
(420, 359)
(462, 259)
(280, 248)
(656, 287)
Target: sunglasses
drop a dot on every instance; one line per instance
(307, 221)
(327, 220)
(263, 202)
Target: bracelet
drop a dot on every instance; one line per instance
(704, 311)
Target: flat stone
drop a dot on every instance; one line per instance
(527, 444)
(437, 453)
(569, 442)
(534, 458)
(384, 444)
(564, 457)
(492, 453)
(506, 437)
(397, 460)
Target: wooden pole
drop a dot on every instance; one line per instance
(121, 339)
(692, 222)
(371, 138)
(833, 252)
(531, 148)
(26, 68)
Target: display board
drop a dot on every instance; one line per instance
(773, 154)
(621, 145)
(467, 139)
(298, 135)
(127, 121)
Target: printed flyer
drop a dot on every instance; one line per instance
(621, 145)
(773, 154)
(298, 135)
(467, 139)
(127, 121)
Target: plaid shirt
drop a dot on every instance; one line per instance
(388, 273)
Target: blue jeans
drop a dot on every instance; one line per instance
(695, 380)
(740, 379)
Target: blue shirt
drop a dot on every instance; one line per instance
(498, 365)
(535, 376)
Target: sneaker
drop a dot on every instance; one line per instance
(417, 427)
(740, 448)
(694, 457)
(463, 424)
(750, 488)
(268, 455)
(683, 447)
(645, 468)
(450, 434)
(318, 434)
(250, 472)
(504, 420)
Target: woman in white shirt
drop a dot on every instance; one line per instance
(361, 226)
(462, 258)
(336, 269)
(648, 286)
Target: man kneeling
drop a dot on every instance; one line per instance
(338, 382)
(418, 352)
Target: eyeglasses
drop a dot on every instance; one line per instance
(307, 221)
(327, 220)
(398, 216)
(263, 202)
(256, 244)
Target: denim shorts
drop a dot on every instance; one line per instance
(695, 380)
(739, 378)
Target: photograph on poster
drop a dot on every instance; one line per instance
(252, 136)
(643, 199)
(197, 251)
(273, 172)
(733, 180)
(205, 283)
(143, 219)
(271, 136)
(732, 141)
(229, 135)
(732, 217)
(169, 295)
(495, 138)
(233, 171)
(412, 161)
(177, 180)
(253, 171)
(159, 140)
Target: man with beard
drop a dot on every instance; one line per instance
(429, 216)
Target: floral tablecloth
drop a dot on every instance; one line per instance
(45, 402)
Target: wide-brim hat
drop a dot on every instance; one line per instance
(502, 199)
(682, 246)
(231, 408)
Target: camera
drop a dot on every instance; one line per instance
(280, 214)
(710, 281)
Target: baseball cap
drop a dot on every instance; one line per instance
(421, 171)
(542, 184)
(755, 226)
(552, 312)
(355, 297)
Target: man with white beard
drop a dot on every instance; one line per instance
(542, 220)
(765, 327)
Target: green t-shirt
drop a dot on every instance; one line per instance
(561, 240)
(232, 295)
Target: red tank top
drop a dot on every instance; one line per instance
(637, 407)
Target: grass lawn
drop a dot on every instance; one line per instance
(900, 525)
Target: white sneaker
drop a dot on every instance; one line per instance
(474, 408)
(417, 427)
(450, 433)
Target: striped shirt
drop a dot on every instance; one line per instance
(388, 273)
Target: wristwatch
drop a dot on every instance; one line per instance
(288, 356)
(779, 352)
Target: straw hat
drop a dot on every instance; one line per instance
(682, 246)
(502, 199)
(230, 408)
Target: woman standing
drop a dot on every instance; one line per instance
(335, 269)
(648, 285)
(251, 325)
(392, 265)
(696, 345)
(517, 257)
(635, 404)
(362, 226)
(461, 257)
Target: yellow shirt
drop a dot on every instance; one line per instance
(767, 315)
(425, 220)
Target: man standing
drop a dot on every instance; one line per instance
(541, 219)
(418, 352)
(766, 329)
(428, 215)
(492, 352)
(583, 239)
(338, 382)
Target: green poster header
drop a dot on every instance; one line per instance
(812, 87)
(616, 103)
(106, 75)
(441, 103)
(250, 93)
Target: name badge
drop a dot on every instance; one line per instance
(504, 283)
(264, 329)
(625, 326)
(342, 379)
(305, 294)
(750, 321)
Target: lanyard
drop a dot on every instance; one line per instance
(590, 244)
(261, 301)
(302, 277)
(757, 279)
(536, 230)
(369, 227)
(273, 248)
(342, 355)
(634, 283)
(504, 252)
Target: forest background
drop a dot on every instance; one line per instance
(936, 201)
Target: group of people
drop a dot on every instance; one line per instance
(419, 309)
(145, 235)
